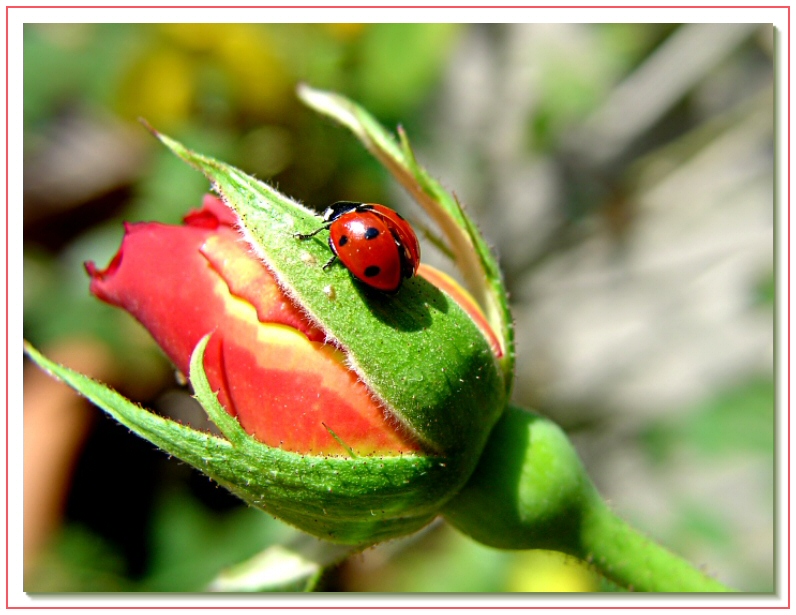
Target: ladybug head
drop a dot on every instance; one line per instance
(335, 210)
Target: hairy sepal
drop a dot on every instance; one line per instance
(350, 501)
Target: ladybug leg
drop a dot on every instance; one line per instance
(312, 234)
(308, 235)
(330, 262)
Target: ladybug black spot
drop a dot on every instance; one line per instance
(371, 233)
(343, 240)
(372, 271)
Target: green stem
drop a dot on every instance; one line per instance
(530, 491)
(633, 561)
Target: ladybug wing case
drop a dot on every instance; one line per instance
(404, 236)
(365, 245)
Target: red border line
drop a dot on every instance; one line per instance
(407, 6)
(8, 405)
(434, 608)
(787, 272)
(391, 608)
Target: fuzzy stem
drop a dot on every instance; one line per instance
(630, 559)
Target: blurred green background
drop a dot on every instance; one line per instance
(623, 172)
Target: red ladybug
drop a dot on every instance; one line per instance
(374, 243)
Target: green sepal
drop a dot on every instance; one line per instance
(353, 501)
(227, 424)
(194, 447)
(350, 501)
(417, 351)
(472, 254)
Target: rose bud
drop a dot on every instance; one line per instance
(265, 359)
(317, 440)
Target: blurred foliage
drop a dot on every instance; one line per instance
(734, 428)
(737, 421)
(766, 291)
(570, 88)
(227, 90)
(80, 560)
(449, 562)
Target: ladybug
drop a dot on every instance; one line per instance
(374, 243)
